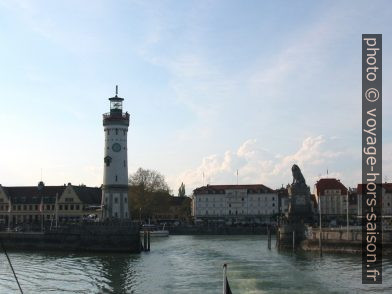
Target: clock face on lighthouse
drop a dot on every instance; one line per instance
(116, 147)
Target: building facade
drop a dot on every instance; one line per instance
(235, 203)
(332, 197)
(115, 178)
(386, 200)
(37, 204)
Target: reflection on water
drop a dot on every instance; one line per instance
(189, 264)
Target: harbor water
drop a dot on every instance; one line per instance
(190, 264)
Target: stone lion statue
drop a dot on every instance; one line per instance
(298, 178)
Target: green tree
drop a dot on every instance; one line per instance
(181, 190)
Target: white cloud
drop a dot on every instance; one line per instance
(257, 165)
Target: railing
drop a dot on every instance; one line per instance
(116, 116)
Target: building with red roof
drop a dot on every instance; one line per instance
(386, 199)
(235, 203)
(331, 196)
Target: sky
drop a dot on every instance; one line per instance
(212, 87)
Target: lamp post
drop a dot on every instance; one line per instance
(320, 245)
(347, 215)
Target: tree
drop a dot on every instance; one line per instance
(149, 180)
(181, 190)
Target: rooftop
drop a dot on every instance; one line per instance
(220, 189)
(330, 184)
(32, 195)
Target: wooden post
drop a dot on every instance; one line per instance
(145, 241)
(320, 247)
(293, 240)
(269, 237)
(148, 240)
(277, 238)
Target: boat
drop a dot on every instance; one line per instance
(154, 230)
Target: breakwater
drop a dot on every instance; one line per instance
(220, 230)
(79, 237)
(341, 240)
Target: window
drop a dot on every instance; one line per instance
(116, 178)
(115, 214)
(77, 207)
(72, 207)
(24, 207)
(48, 207)
(61, 207)
(116, 131)
(36, 207)
(65, 207)
(19, 207)
(69, 200)
(30, 207)
(115, 200)
(125, 199)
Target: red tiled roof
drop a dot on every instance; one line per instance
(219, 189)
(330, 184)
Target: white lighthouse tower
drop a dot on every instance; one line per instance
(115, 175)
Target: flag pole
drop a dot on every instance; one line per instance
(9, 213)
(348, 224)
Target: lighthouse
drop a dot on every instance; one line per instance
(115, 171)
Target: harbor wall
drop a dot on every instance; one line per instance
(219, 230)
(97, 238)
(341, 240)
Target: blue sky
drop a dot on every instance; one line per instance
(211, 86)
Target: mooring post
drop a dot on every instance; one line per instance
(277, 244)
(145, 240)
(148, 241)
(269, 237)
(320, 243)
(293, 240)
